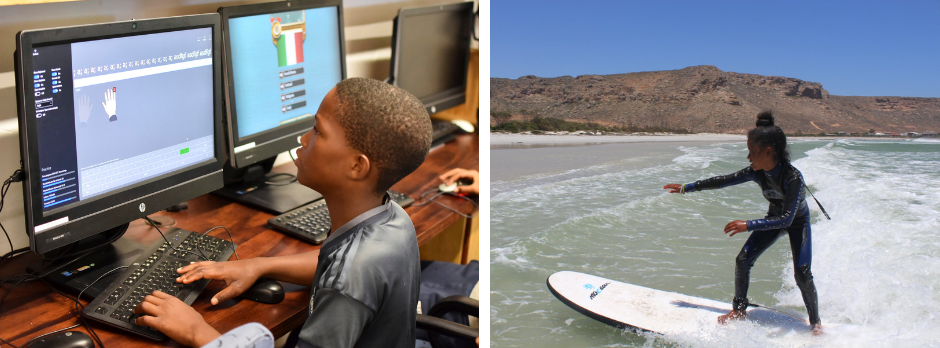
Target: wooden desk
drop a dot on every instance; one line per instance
(33, 309)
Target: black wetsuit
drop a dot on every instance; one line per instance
(788, 214)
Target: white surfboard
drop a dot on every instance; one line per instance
(629, 306)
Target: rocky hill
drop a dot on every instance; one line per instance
(705, 99)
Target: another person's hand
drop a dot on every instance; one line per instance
(673, 188)
(175, 319)
(460, 173)
(237, 275)
(735, 227)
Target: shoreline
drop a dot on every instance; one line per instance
(498, 140)
(509, 141)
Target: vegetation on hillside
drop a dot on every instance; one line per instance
(538, 124)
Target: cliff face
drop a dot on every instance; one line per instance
(706, 99)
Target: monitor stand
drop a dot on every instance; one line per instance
(252, 190)
(77, 275)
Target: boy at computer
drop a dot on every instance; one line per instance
(367, 136)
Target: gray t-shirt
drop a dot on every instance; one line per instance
(365, 291)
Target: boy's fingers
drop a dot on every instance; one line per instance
(200, 272)
(160, 295)
(190, 266)
(447, 179)
(230, 291)
(452, 172)
(145, 308)
(146, 320)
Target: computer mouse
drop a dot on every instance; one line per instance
(68, 339)
(463, 125)
(453, 185)
(265, 291)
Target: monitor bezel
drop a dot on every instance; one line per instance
(442, 100)
(133, 201)
(271, 142)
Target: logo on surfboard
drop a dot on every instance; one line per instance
(599, 290)
(588, 286)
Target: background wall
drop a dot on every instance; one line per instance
(368, 51)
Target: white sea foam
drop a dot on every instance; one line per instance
(876, 264)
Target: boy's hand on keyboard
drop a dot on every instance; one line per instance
(175, 319)
(237, 275)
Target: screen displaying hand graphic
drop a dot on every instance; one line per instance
(84, 109)
(110, 103)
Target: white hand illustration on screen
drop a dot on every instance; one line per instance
(84, 109)
(110, 103)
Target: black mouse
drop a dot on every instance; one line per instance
(265, 291)
(68, 339)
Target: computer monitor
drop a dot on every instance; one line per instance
(430, 53)
(117, 121)
(281, 58)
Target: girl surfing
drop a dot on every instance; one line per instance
(788, 214)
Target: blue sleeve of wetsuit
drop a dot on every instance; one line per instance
(791, 202)
(739, 177)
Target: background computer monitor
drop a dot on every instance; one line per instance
(430, 53)
(117, 121)
(281, 58)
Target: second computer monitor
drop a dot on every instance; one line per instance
(281, 60)
(430, 53)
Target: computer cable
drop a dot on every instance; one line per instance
(12, 254)
(154, 224)
(82, 309)
(5, 297)
(433, 198)
(60, 293)
(230, 238)
(17, 176)
(25, 277)
(79, 307)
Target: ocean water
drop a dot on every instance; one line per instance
(876, 263)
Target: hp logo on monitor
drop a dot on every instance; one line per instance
(142, 207)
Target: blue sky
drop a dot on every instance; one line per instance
(864, 48)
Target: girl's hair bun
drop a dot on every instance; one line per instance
(765, 119)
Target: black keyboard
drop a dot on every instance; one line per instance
(311, 222)
(155, 269)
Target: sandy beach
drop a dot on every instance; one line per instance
(498, 140)
(517, 155)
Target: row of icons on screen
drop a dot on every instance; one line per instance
(131, 64)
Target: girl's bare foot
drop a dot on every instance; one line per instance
(818, 329)
(732, 315)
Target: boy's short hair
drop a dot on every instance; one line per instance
(387, 124)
